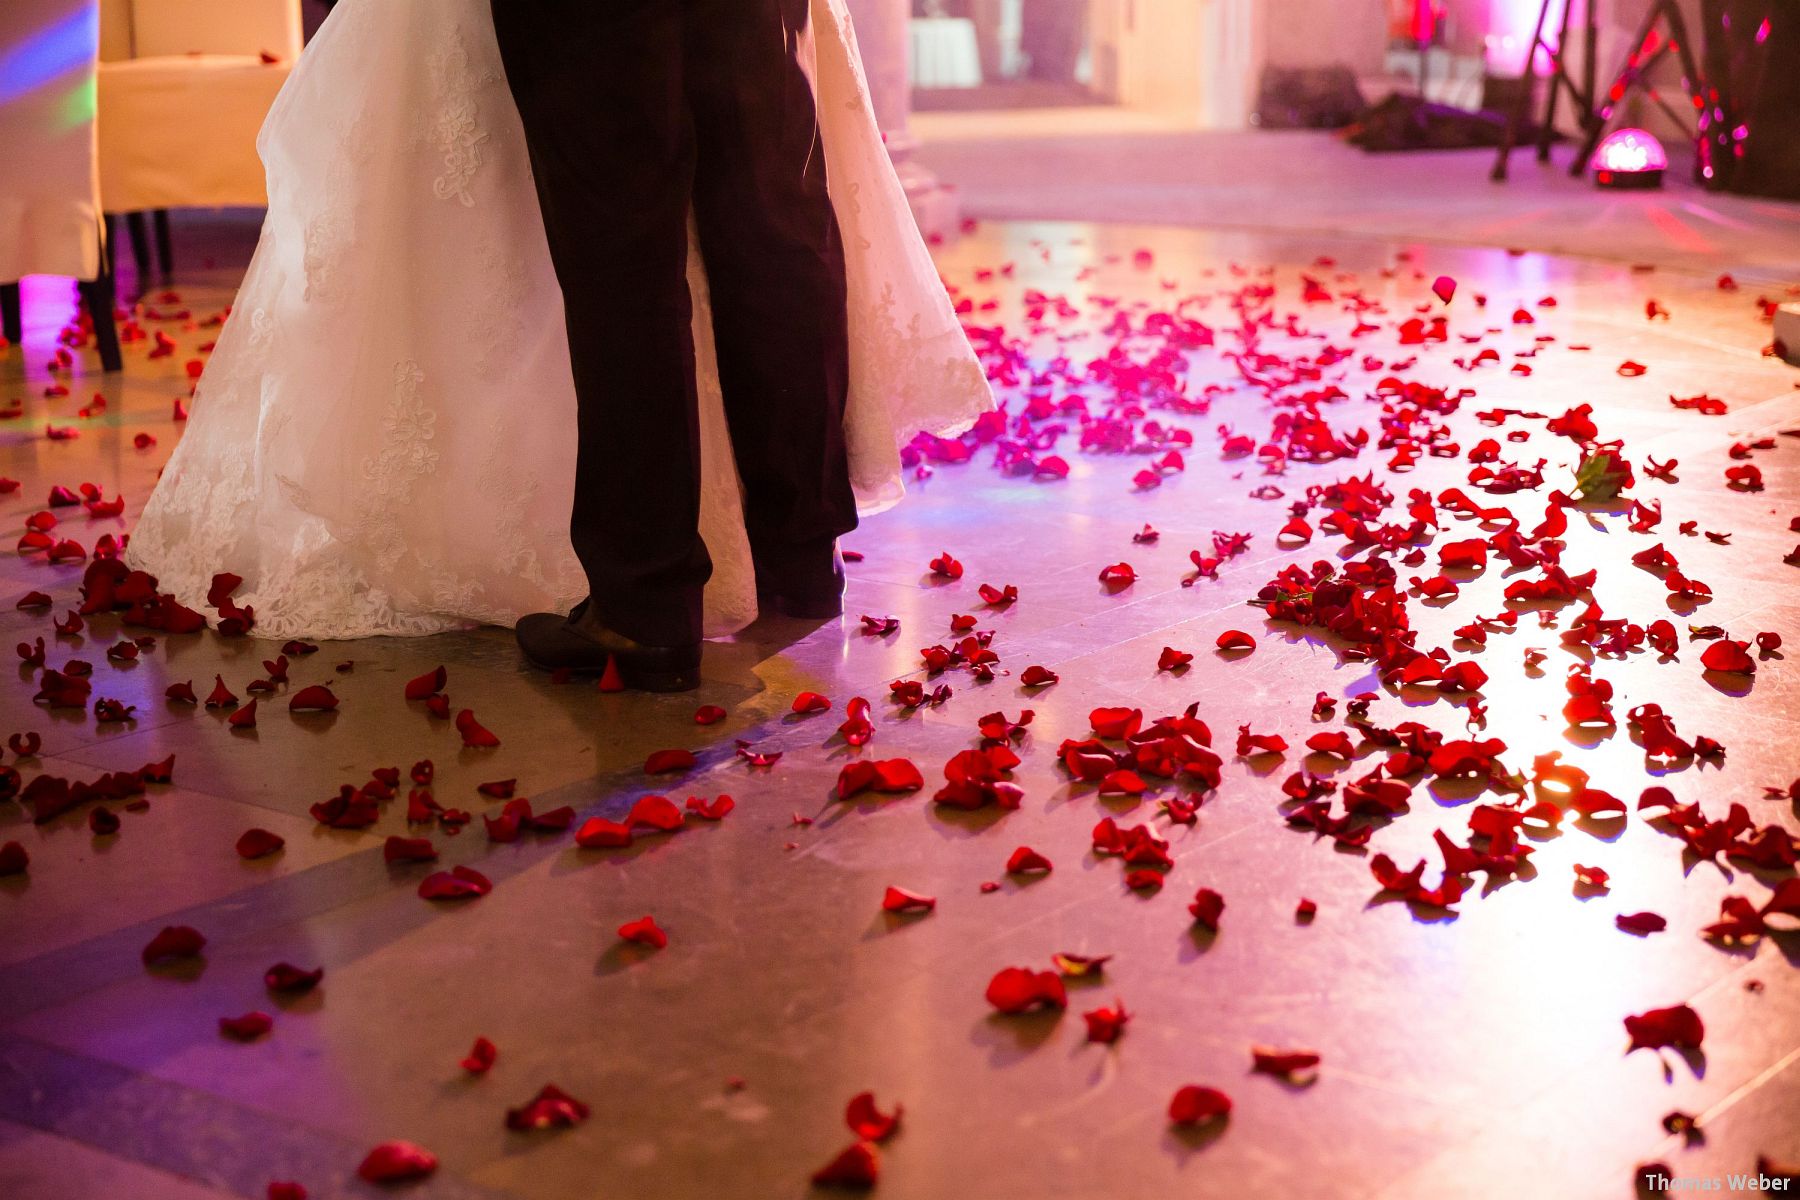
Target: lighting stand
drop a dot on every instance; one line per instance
(1581, 91)
(1649, 48)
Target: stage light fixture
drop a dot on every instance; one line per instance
(1630, 158)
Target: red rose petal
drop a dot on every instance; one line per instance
(175, 941)
(1236, 639)
(1282, 1062)
(810, 702)
(1678, 1026)
(243, 718)
(397, 1162)
(428, 684)
(1104, 1025)
(645, 932)
(1025, 860)
(402, 849)
(669, 760)
(474, 736)
(1642, 924)
(1593, 877)
(710, 810)
(248, 1027)
(480, 1057)
(255, 843)
(1015, 990)
(597, 833)
(286, 977)
(1196, 1105)
(1078, 966)
(654, 812)
(551, 1108)
(1119, 575)
(458, 883)
(856, 1167)
(1207, 907)
(1116, 722)
(316, 698)
(889, 775)
(868, 1122)
(14, 860)
(899, 900)
(708, 714)
(1729, 656)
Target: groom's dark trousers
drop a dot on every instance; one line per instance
(633, 111)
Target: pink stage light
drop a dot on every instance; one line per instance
(1630, 158)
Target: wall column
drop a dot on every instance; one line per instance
(881, 31)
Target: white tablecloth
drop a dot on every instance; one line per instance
(945, 53)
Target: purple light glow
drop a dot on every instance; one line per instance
(1630, 150)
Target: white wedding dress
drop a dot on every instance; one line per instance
(383, 440)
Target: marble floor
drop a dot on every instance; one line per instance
(1470, 1050)
(1058, 164)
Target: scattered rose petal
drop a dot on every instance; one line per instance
(899, 900)
(397, 1162)
(868, 1122)
(645, 932)
(480, 1057)
(1196, 1105)
(175, 941)
(551, 1108)
(248, 1027)
(857, 1167)
(664, 761)
(474, 736)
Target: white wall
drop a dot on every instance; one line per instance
(1198, 59)
(1318, 33)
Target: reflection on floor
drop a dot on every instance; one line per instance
(1472, 1050)
(1074, 163)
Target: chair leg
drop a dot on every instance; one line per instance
(97, 295)
(12, 316)
(165, 252)
(111, 223)
(140, 248)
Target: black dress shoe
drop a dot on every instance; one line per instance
(580, 643)
(820, 606)
(807, 592)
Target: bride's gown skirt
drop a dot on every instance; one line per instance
(383, 440)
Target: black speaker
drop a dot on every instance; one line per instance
(1308, 98)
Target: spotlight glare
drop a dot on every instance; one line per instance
(1630, 158)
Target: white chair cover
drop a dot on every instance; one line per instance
(181, 104)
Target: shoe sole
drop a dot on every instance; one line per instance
(634, 679)
(801, 610)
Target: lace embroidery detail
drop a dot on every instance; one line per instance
(456, 129)
(262, 329)
(406, 455)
